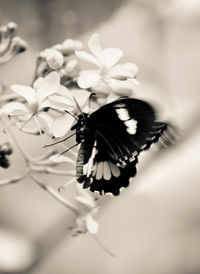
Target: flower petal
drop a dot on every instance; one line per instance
(38, 82)
(87, 57)
(124, 71)
(91, 224)
(46, 121)
(14, 108)
(83, 203)
(112, 56)
(124, 88)
(48, 86)
(88, 78)
(82, 98)
(61, 103)
(69, 46)
(102, 87)
(63, 91)
(27, 92)
(96, 49)
(84, 197)
(62, 125)
(112, 97)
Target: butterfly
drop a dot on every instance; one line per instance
(110, 140)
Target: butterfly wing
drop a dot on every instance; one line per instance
(123, 128)
(116, 134)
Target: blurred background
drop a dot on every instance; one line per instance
(153, 227)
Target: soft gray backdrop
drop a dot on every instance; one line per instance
(154, 226)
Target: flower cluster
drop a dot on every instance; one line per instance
(108, 77)
(60, 58)
(61, 91)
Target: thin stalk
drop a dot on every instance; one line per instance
(102, 245)
(38, 62)
(8, 97)
(13, 180)
(55, 194)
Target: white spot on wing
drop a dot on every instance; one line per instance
(99, 173)
(106, 171)
(91, 161)
(109, 194)
(114, 169)
(122, 114)
(85, 169)
(94, 169)
(131, 126)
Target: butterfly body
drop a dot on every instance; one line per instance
(111, 139)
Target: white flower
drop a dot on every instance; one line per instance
(69, 101)
(47, 93)
(109, 77)
(35, 98)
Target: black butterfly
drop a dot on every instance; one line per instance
(111, 139)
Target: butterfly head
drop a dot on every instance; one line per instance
(81, 127)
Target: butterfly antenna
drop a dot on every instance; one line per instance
(68, 149)
(39, 129)
(102, 245)
(80, 110)
(61, 141)
(74, 116)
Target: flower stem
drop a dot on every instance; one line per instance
(13, 180)
(8, 97)
(57, 196)
(38, 62)
(102, 245)
(46, 155)
(50, 170)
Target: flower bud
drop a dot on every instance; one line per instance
(124, 71)
(124, 88)
(54, 58)
(11, 28)
(72, 68)
(4, 162)
(6, 149)
(19, 45)
(69, 46)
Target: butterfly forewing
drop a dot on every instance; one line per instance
(122, 127)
